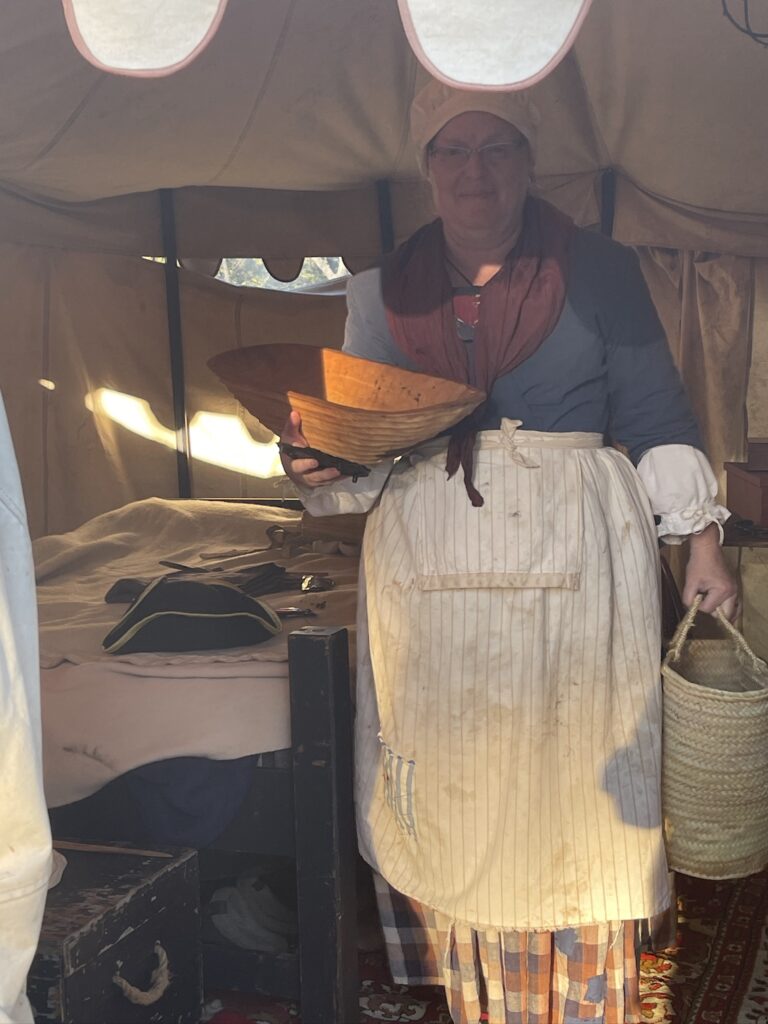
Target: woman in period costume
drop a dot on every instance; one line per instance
(509, 703)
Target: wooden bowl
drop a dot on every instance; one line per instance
(352, 408)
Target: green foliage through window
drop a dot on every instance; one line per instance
(252, 273)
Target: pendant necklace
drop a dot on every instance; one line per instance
(461, 274)
(466, 307)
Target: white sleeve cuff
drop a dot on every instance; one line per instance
(344, 496)
(683, 490)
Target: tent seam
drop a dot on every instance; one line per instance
(46, 368)
(760, 218)
(597, 133)
(405, 132)
(65, 127)
(750, 347)
(260, 95)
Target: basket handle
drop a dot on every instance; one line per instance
(681, 634)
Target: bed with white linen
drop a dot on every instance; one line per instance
(104, 714)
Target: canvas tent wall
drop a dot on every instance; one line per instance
(273, 141)
(307, 97)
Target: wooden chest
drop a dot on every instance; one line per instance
(747, 492)
(757, 453)
(116, 914)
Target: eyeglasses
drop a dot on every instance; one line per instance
(494, 154)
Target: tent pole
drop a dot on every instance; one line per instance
(175, 341)
(607, 200)
(386, 226)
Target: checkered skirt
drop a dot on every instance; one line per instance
(574, 974)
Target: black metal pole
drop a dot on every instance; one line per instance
(607, 201)
(386, 227)
(175, 342)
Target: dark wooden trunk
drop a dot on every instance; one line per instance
(747, 492)
(105, 918)
(303, 810)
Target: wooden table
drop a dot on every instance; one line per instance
(743, 537)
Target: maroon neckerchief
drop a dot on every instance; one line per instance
(519, 308)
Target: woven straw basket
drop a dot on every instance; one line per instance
(350, 407)
(715, 754)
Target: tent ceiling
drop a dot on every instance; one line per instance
(306, 95)
(292, 94)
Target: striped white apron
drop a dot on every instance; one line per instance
(509, 702)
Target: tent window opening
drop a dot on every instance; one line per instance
(313, 272)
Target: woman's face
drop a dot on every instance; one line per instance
(476, 192)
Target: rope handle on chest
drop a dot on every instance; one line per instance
(158, 983)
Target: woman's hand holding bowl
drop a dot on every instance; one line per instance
(304, 472)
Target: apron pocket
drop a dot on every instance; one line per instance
(398, 788)
(528, 533)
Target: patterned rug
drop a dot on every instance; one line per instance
(717, 973)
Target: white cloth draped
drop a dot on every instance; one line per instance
(25, 839)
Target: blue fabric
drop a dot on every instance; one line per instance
(606, 368)
(189, 801)
(183, 801)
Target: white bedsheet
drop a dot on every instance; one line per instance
(103, 714)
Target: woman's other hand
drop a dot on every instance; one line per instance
(707, 573)
(304, 472)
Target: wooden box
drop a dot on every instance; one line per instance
(119, 914)
(747, 495)
(757, 453)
